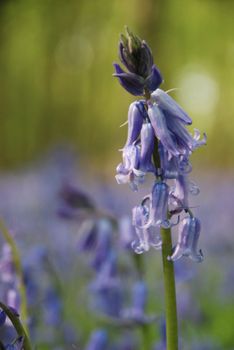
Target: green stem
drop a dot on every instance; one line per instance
(170, 291)
(19, 272)
(17, 325)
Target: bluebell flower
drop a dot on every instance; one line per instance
(95, 237)
(106, 289)
(98, 340)
(167, 104)
(169, 127)
(136, 115)
(147, 147)
(146, 236)
(188, 235)
(136, 313)
(52, 306)
(173, 166)
(180, 192)
(158, 205)
(128, 171)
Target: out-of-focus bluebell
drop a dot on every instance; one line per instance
(95, 238)
(106, 290)
(126, 232)
(189, 231)
(98, 340)
(52, 306)
(74, 203)
(136, 313)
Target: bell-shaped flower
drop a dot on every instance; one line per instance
(128, 171)
(106, 290)
(169, 127)
(136, 115)
(180, 192)
(158, 206)
(95, 238)
(188, 235)
(166, 103)
(161, 129)
(146, 237)
(147, 147)
(135, 314)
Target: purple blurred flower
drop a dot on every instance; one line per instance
(96, 238)
(136, 313)
(98, 340)
(189, 231)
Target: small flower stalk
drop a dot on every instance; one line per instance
(158, 142)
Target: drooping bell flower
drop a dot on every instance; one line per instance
(128, 171)
(170, 127)
(188, 235)
(136, 115)
(147, 147)
(146, 236)
(158, 206)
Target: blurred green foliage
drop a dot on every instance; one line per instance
(56, 66)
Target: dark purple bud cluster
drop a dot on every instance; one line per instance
(136, 56)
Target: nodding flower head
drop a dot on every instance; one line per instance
(189, 232)
(128, 171)
(158, 215)
(169, 120)
(137, 57)
(146, 236)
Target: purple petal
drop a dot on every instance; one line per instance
(131, 82)
(135, 121)
(147, 147)
(161, 130)
(166, 103)
(154, 80)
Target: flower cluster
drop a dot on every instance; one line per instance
(158, 142)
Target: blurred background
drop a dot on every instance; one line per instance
(57, 93)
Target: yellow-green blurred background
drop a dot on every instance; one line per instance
(56, 82)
